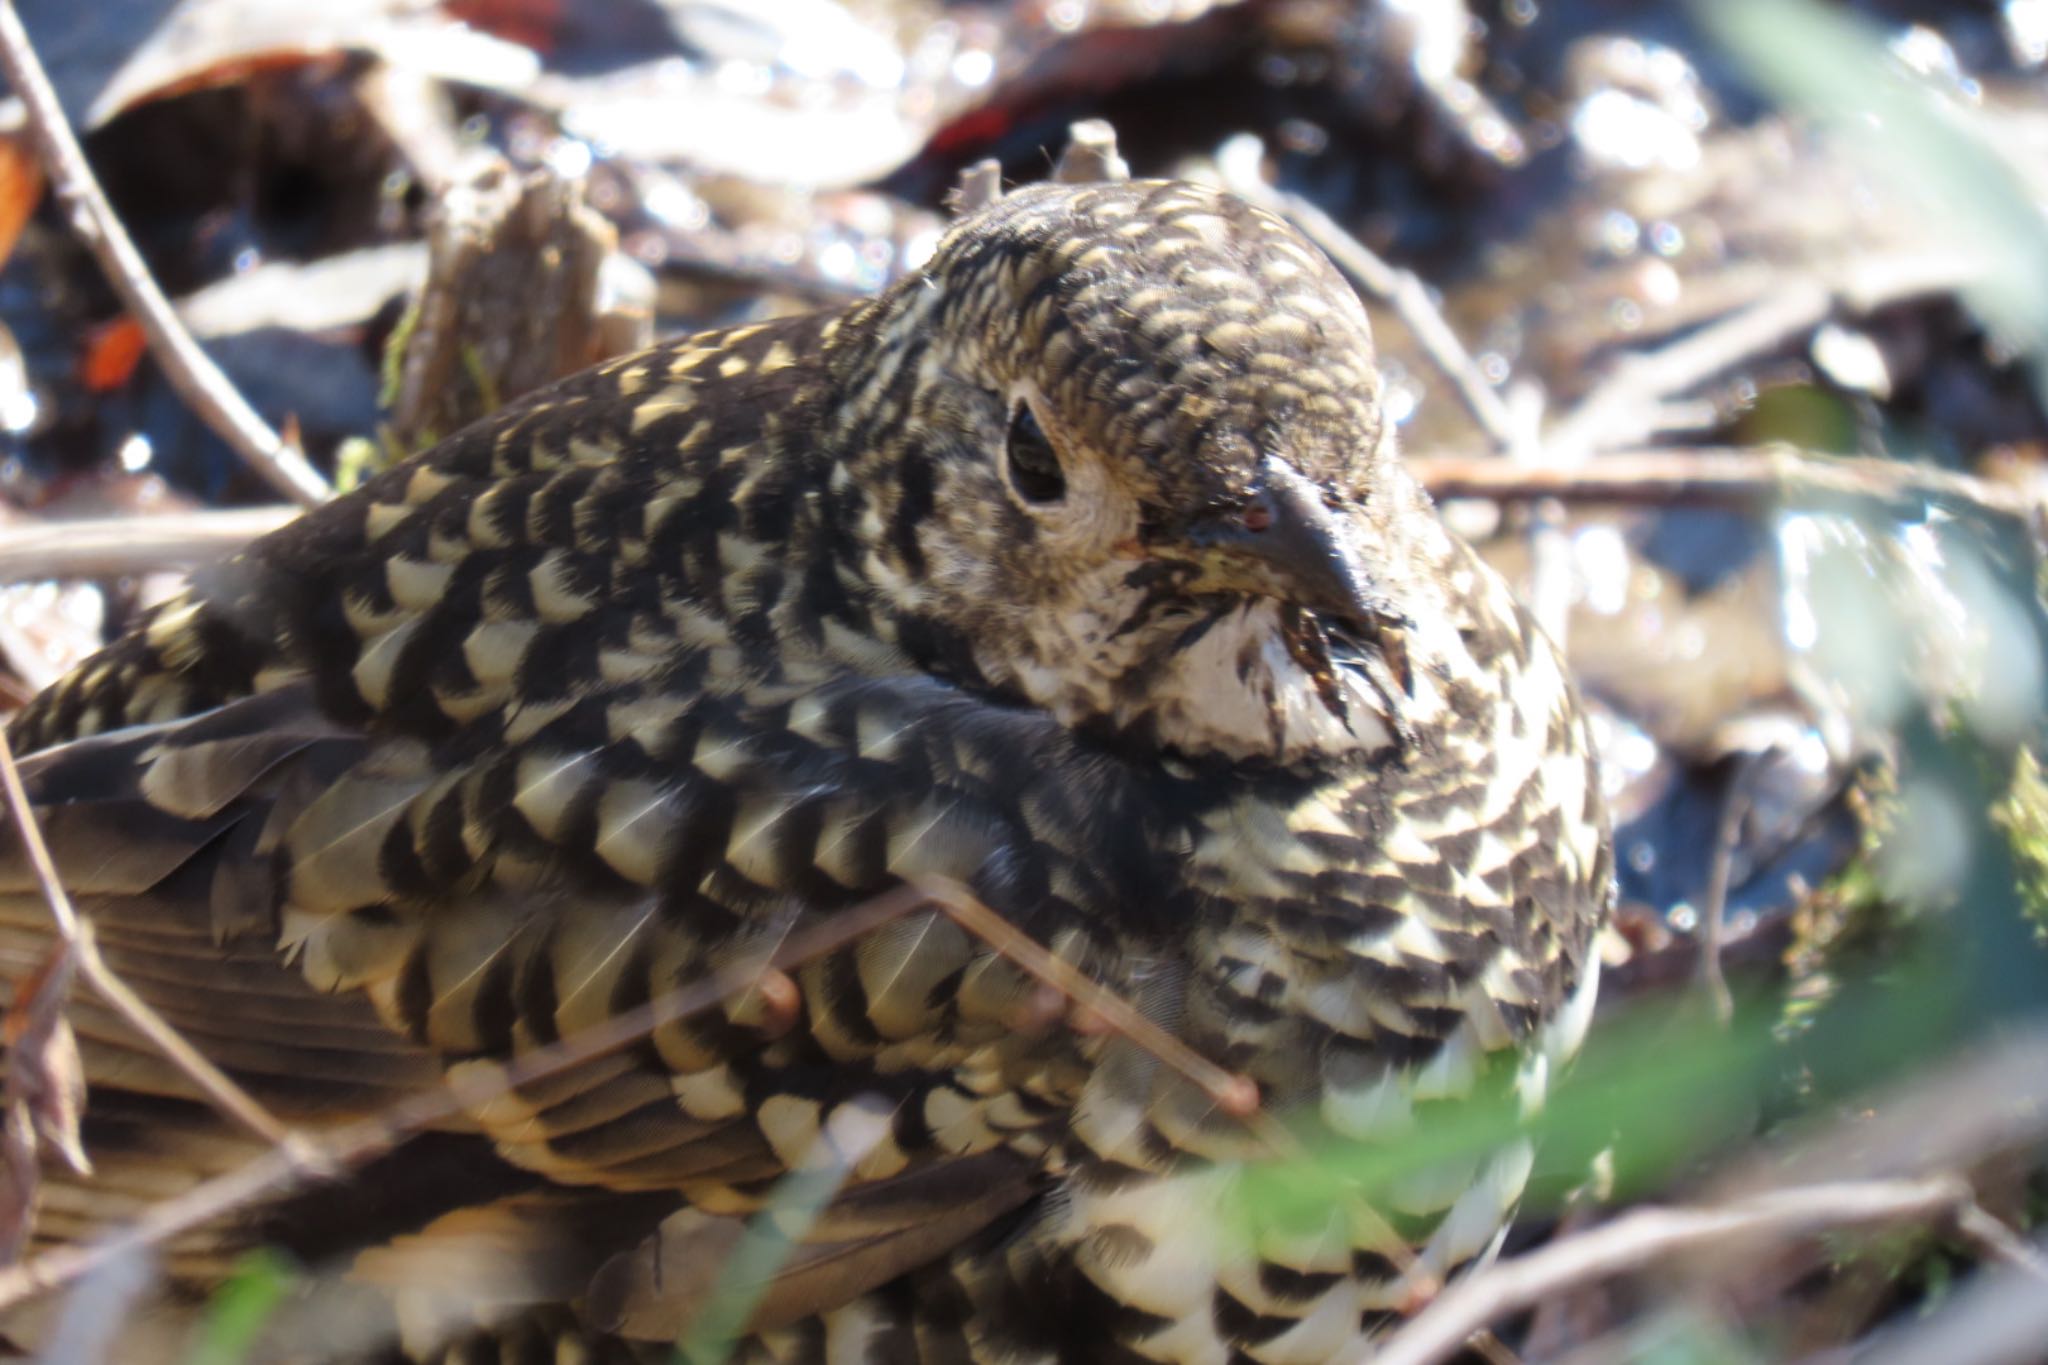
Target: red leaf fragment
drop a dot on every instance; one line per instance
(21, 189)
(531, 23)
(112, 351)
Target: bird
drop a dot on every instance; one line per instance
(1077, 570)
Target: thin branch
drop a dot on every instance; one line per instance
(106, 547)
(1628, 405)
(1998, 1243)
(225, 1095)
(1635, 1238)
(1714, 905)
(122, 547)
(1234, 1094)
(279, 1171)
(191, 372)
(1982, 1102)
(1733, 477)
(1998, 1317)
(310, 1157)
(275, 1172)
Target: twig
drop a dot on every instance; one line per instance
(1988, 1100)
(226, 1096)
(1627, 407)
(277, 1172)
(1998, 1243)
(311, 1157)
(1725, 477)
(105, 547)
(44, 1096)
(1234, 1094)
(191, 372)
(1714, 905)
(1643, 1235)
(89, 1326)
(1999, 1317)
(120, 547)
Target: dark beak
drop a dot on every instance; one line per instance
(1304, 550)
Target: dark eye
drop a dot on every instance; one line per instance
(1034, 468)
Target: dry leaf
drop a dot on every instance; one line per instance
(112, 352)
(44, 1076)
(210, 43)
(21, 189)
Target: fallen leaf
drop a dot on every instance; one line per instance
(205, 43)
(112, 351)
(45, 1078)
(21, 189)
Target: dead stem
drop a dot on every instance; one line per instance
(1713, 980)
(122, 547)
(300, 1158)
(1630, 1241)
(1741, 477)
(191, 371)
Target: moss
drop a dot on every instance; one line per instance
(2022, 815)
(1850, 919)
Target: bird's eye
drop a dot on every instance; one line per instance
(1034, 465)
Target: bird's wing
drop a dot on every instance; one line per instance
(576, 709)
(338, 919)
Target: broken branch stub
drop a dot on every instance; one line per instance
(513, 300)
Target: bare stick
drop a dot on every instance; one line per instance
(1404, 292)
(191, 372)
(274, 1172)
(1714, 905)
(1725, 477)
(1234, 1094)
(1634, 1238)
(115, 546)
(279, 1171)
(103, 547)
(1997, 1317)
(1627, 407)
(1989, 1099)
(228, 1097)
(121, 547)
(311, 1157)
(1998, 1243)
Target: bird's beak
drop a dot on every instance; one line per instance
(1287, 543)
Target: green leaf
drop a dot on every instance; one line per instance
(241, 1306)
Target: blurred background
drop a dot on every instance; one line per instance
(1723, 328)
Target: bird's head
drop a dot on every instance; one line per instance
(1120, 449)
